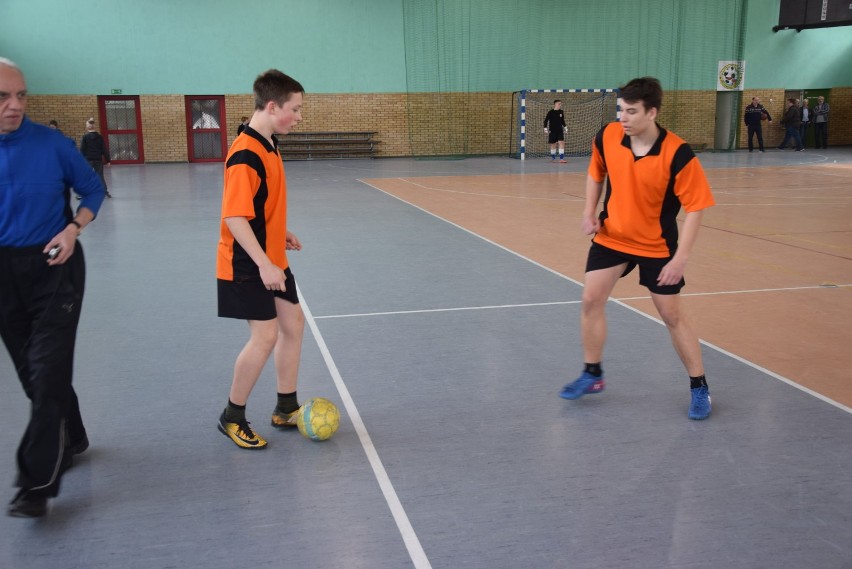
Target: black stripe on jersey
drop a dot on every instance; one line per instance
(671, 204)
(243, 264)
(250, 159)
(681, 158)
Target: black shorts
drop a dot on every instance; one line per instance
(247, 298)
(601, 257)
(555, 135)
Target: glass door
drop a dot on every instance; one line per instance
(205, 128)
(121, 119)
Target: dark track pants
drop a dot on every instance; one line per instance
(39, 311)
(752, 130)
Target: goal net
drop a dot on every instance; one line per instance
(586, 112)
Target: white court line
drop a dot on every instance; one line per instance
(565, 302)
(619, 302)
(721, 292)
(456, 309)
(412, 543)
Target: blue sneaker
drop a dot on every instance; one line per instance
(583, 385)
(699, 408)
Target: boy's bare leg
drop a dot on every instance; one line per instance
(683, 337)
(288, 346)
(253, 358)
(597, 287)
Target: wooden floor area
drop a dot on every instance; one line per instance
(770, 280)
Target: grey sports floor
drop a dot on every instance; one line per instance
(445, 354)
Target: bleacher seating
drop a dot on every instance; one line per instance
(321, 145)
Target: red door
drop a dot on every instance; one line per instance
(205, 128)
(121, 127)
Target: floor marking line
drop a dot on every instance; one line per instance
(566, 302)
(627, 306)
(412, 543)
(752, 291)
(457, 309)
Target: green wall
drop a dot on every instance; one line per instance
(379, 46)
(203, 46)
(810, 59)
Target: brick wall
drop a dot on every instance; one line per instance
(840, 117)
(70, 111)
(418, 123)
(164, 128)
(691, 115)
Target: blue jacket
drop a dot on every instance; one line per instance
(38, 165)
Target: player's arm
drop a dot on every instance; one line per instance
(591, 224)
(674, 269)
(271, 274)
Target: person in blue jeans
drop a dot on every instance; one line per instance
(792, 122)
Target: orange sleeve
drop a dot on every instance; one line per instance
(241, 185)
(597, 166)
(692, 188)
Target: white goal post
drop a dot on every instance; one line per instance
(586, 112)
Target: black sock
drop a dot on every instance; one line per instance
(287, 402)
(235, 413)
(699, 381)
(594, 369)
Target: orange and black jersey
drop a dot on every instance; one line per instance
(255, 188)
(645, 193)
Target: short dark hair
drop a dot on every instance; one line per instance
(557, 101)
(274, 85)
(53, 123)
(645, 89)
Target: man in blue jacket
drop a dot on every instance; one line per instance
(42, 275)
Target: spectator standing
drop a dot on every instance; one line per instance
(791, 122)
(755, 113)
(93, 148)
(805, 115)
(821, 111)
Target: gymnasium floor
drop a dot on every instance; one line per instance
(442, 301)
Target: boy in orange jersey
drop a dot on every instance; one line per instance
(253, 276)
(650, 174)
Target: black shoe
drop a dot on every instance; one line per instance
(109, 195)
(800, 149)
(25, 505)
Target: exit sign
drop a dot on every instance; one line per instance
(116, 91)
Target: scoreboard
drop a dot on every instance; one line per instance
(806, 14)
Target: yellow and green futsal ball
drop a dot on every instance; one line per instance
(318, 419)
